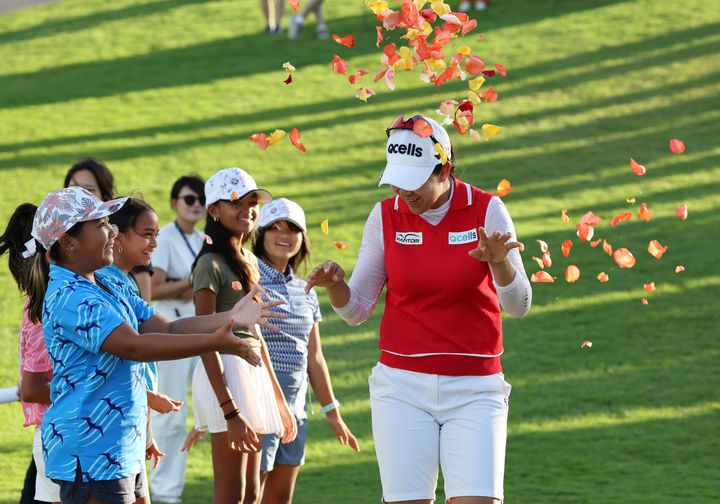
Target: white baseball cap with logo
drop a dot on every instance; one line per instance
(282, 209)
(232, 184)
(412, 158)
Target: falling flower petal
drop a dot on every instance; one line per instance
(630, 200)
(234, 196)
(341, 245)
(288, 80)
(422, 128)
(207, 239)
(679, 268)
(276, 136)
(325, 226)
(603, 277)
(364, 93)
(656, 250)
(649, 287)
(677, 146)
(590, 219)
(289, 68)
(607, 248)
(378, 7)
(682, 212)
(539, 262)
(644, 213)
(501, 69)
(260, 139)
(620, 217)
(542, 277)
(564, 216)
(585, 232)
(547, 260)
(468, 26)
(624, 258)
(595, 243)
(447, 107)
(294, 5)
(443, 155)
(474, 65)
(572, 273)
(379, 36)
(339, 65)
(636, 168)
(503, 187)
(236, 286)
(489, 95)
(392, 20)
(295, 139)
(566, 246)
(347, 40)
(543, 246)
(586, 344)
(490, 130)
(644, 301)
(476, 83)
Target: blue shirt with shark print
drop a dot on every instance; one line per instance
(97, 420)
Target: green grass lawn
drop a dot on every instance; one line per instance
(165, 87)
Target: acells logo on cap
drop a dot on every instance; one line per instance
(409, 149)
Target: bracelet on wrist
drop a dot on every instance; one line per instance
(226, 402)
(329, 407)
(232, 414)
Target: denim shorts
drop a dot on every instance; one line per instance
(294, 386)
(117, 491)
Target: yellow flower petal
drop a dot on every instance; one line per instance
(324, 226)
(436, 64)
(443, 155)
(464, 50)
(377, 7)
(490, 130)
(477, 83)
(288, 67)
(276, 136)
(473, 98)
(440, 8)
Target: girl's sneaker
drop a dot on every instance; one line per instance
(295, 26)
(322, 32)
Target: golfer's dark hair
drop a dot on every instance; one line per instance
(220, 244)
(295, 261)
(39, 274)
(103, 176)
(128, 215)
(194, 182)
(17, 233)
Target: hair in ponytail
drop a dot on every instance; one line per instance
(221, 245)
(12, 241)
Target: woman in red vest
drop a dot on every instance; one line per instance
(448, 255)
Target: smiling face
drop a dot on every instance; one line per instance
(191, 213)
(282, 241)
(238, 217)
(86, 180)
(429, 195)
(138, 242)
(91, 248)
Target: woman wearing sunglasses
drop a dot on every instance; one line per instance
(178, 244)
(448, 255)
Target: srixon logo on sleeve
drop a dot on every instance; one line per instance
(462, 237)
(409, 237)
(409, 149)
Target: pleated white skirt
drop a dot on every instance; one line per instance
(251, 389)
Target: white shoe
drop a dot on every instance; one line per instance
(480, 5)
(323, 33)
(464, 6)
(295, 27)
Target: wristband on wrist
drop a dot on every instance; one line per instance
(329, 407)
(232, 414)
(224, 403)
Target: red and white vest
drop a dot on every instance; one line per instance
(442, 314)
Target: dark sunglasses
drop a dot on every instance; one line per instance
(190, 199)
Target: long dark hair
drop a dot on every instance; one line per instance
(221, 244)
(296, 260)
(102, 174)
(17, 233)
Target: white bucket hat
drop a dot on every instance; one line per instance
(232, 184)
(282, 209)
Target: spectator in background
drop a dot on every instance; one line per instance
(466, 5)
(178, 245)
(296, 22)
(273, 11)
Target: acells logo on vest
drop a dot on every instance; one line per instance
(409, 149)
(409, 238)
(463, 237)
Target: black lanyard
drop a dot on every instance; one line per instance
(182, 233)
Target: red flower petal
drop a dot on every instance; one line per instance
(572, 273)
(620, 217)
(566, 246)
(607, 248)
(542, 277)
(590, 219)
(682, 211)
(288, 80)
(603, 277)
(649, 287)
(422, 128)
(347, 40)
(339, 65)
(644, 213)
(392, 20)
(236, 286)
(379, 36)
(468, 26)
(585, 232)
(595, 243)
(489, 95)
(341, 245)
(295, 139)
(586, 344)
(474, 65)
(637, 169)
(546, 259)
(677, 146)
(501, 69)
(656, 250)
(294, 5)
(644, 301)
(260, 139)
(624, 258)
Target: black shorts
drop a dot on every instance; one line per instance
(118, 491)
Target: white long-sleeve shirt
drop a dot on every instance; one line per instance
(369, 275)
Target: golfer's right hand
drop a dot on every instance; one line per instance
(327, 274)
(241, 437)
(227, 342)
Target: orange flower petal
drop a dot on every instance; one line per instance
(644, 213)
(590, 219)
(339, 65)
(564, 216)
(542, 277)
(474, 65)
(644, 301)
(677, 146)
(586, 344)
(234, 196)
(294, 5)
(656, 250)
(546, 259)
(295, 139)
(585, 232)
(422, 128)
(379, 36)
(679, 268)
(607, 248)
(595, 243)
(572, 273)
(501, 69)
(543, 246)
(236, 286)
(603, 277)
(649, 287)
(682, 212)
(620, 217)
(489, 95)
(637, 169)
(624, 258)
(566, 246)
(539, 262)
(260, 139)
(503, 187)
(341, 245)
(347, 40)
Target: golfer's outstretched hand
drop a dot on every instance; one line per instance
(325, 275)
(494, 248)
